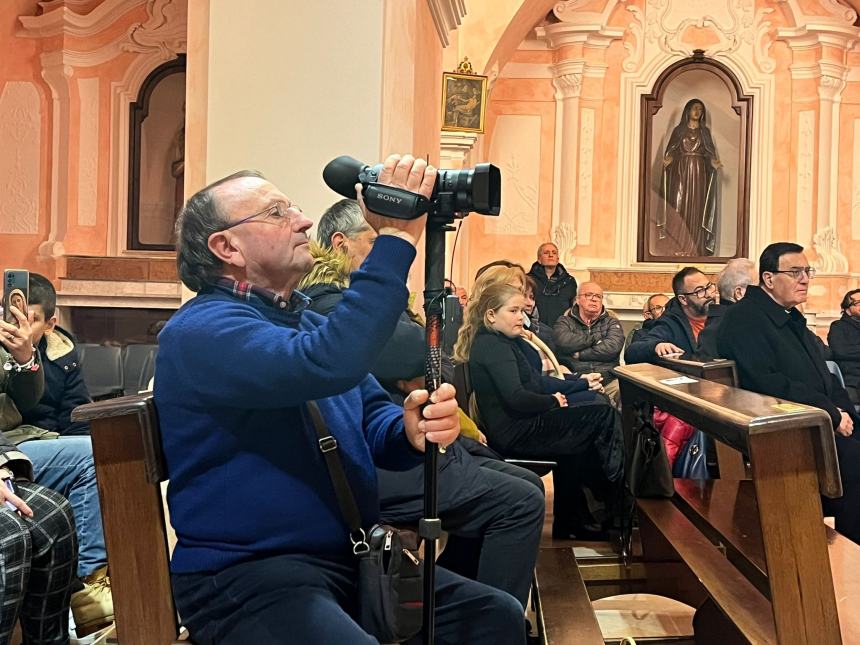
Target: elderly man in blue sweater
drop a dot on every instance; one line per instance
(263, 553)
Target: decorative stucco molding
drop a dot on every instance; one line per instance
(161, 37)
(455, 147)
(20, 138)
(564, 237)
(805, 173)
(57, 73)
(732, 21)
(165, 29)
(586, 175)
(61, 18)
(447, 16)
(830, 259)
(88, 151)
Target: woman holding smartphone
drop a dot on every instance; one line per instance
(37, 533)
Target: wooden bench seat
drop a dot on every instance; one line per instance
(731, 591)
(777, 558)
(565, 611)
(728, 512)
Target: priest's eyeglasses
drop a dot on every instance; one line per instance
(797, 272)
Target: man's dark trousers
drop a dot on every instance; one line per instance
(306, 599)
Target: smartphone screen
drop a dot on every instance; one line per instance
(16, 292)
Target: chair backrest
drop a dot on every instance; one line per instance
(102, 368)
(138, 366)
(834, 369)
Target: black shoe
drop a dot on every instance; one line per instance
(585, 533)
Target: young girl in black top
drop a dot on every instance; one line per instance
(521, 418)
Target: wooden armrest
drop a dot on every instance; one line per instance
(141, 405)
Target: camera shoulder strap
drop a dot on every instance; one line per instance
(328, 448)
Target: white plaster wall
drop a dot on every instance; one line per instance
(293, 84)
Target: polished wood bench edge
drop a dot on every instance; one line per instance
(118, 407)
(647, 377)
(566, 612)
(736, 596)
(744, 540)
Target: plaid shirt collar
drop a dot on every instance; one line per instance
(296, 303)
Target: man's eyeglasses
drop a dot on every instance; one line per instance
(701, 292)
(798, 272)
(592, 296)
(278, 213)
(654, 312)
(853, 303)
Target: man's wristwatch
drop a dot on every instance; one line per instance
(5, 473)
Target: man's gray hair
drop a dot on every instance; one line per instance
(202, 216)
(737, 273)
(341, 217)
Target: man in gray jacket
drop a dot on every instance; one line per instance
(589, 339)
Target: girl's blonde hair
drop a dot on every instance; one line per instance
(497, 275)
(492, 297)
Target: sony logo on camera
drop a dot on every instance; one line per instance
(390, 198)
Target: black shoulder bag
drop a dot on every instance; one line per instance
(390, 572)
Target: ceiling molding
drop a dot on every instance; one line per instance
(63, 20)
(447, 16)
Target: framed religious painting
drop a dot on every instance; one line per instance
(695, 165)
(464, 101)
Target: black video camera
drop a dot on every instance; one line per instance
(456, 193)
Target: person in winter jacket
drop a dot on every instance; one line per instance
(844, 341)
(589, 338)
(38, 549)
(556, 287)
(64, 380)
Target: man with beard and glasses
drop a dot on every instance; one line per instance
(676, 332)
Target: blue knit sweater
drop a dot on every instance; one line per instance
(247, 478)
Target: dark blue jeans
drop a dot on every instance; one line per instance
(311, 599)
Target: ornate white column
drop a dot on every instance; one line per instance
(583, 35)
(567, 80)
(831, 84)
(57, 72)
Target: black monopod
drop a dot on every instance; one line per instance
(456, 194)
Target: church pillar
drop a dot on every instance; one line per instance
(579, 47)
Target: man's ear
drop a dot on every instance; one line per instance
(338, 241)
(223, 246)
(50, 324)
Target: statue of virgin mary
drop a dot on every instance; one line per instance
(690, 182)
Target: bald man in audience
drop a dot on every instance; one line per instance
(589, 338)
(732, 285)
(652, 309)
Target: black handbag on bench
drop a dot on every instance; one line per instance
(390, 572)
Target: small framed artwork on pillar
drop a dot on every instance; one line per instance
(464, 101)
(695, 165)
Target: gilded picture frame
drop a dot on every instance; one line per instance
(464, 102)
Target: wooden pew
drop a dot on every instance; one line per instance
(563, 605)
(774, 584)
(129, 468)
(731, 463)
